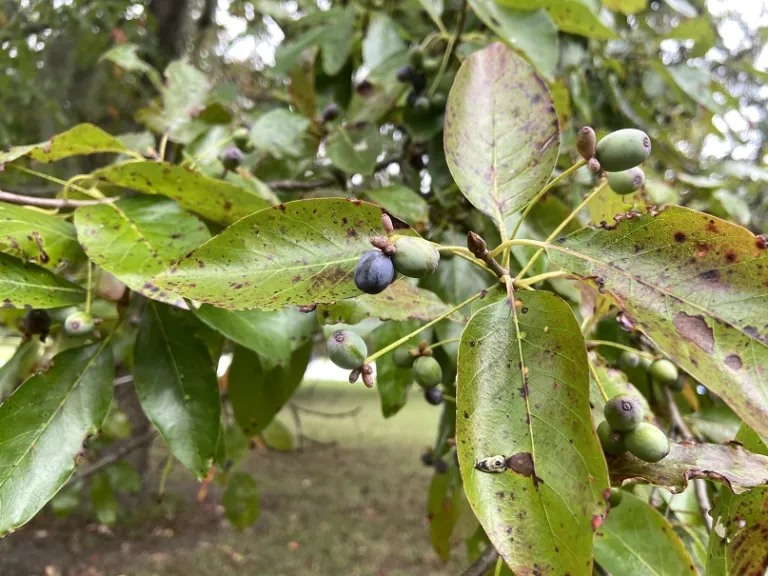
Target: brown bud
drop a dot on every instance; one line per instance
(366, 369)
(383, 244)
(475, 244)
(423, 346)
(593, 165)
(354, 375)
(586, 142)
(386, 223)
(368, 380)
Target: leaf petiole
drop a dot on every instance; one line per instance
(622, 347)
(442, 342)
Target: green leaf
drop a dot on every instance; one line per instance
(280, 133)
(402, 202)
(126, 57)
(626, 6)
(573, 16)
(132, 239)
(302, 86)
(695, 82)
(400, 301)
(607, 204)
(500, 149)
(354, 149)
(382, 40)
(455, 279)
(392, 382)
(177, 386)
(288, 54)
(381, 93)
(435, 10)
(216, 200)
(254, 185)
(186, 91)
(700, 30)
(683, 7)
(523, 392)
(737, 543)
(729, 463)
(103, 499)
(124, 477)
(531, 33)
(277, 436)
(33, 235)
(337, 44)
(297, 253)
(16, 368)
(81, 140)
(637, 541)
(25, 285)
(257, 391)
(695, 286)
(274, 334)
(67, 500)
(444, 501)
(43, 425)
(241, 501)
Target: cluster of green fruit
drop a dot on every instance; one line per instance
(620, 154)
(38, 322)
(624, 430)
(415, 74)
(427, 372)
(662, 371)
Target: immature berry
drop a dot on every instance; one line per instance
(586, 142)
(427, 372)
(647, 442)
(431, 64)
(611, 440)
(623, 412)
(665, 372)
(615, 498)
(374, 272)
(434, 396)
(406, 73)
(416, 57)
(626, 182)
(403, 358)
(241, 136)
(629, 360)
(438, 100)
(231, 158)
(346, 349)
(78, 323)
(37, 322)
(415, 257)
(331, 112)
(623, 149)
(421, 104)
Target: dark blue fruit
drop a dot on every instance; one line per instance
(374, 272)
(406, 73)
(428, 458)
(231, 158)
(37, 322)
(441, 466)
(434, 396)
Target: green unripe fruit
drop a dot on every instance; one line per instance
(615, 498)
(623, 412)
(647, 442)
(421, 104)
(79, 323)
(629, 360)
(665, 372)
(402, 357)
(646, 363)
(431, 64)
(346, 349)
(416, 58)
(626, 182)
(427, 372)
(678, 384)
(611, 440)
(438, 100)
(241, 136)
(415, 257)
(586, 142)
(623, 149)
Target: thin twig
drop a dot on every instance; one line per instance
(110, 459)
(484, 563)
(49, 202)
(346, 414)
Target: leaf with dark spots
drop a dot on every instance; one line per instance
(129, 238)
(701, 310)
(26, 285)
(492, 140)
(216, 200)
(554, 457)
(738, 542)
(255, 253)
(729, 464)
(636, 540)
(81, 140)
(400, 301)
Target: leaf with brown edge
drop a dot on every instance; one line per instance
(400, 301)
(738, 543)
(523, 392)
(730, 464)
(502, 136)
(298, 253)
(696, 286)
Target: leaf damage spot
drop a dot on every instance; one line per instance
(695, 329)
(680, 237)
(522, 463)
(733, 361)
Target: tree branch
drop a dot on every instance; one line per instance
(484, 563)
(49, 202)
(110, 459)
